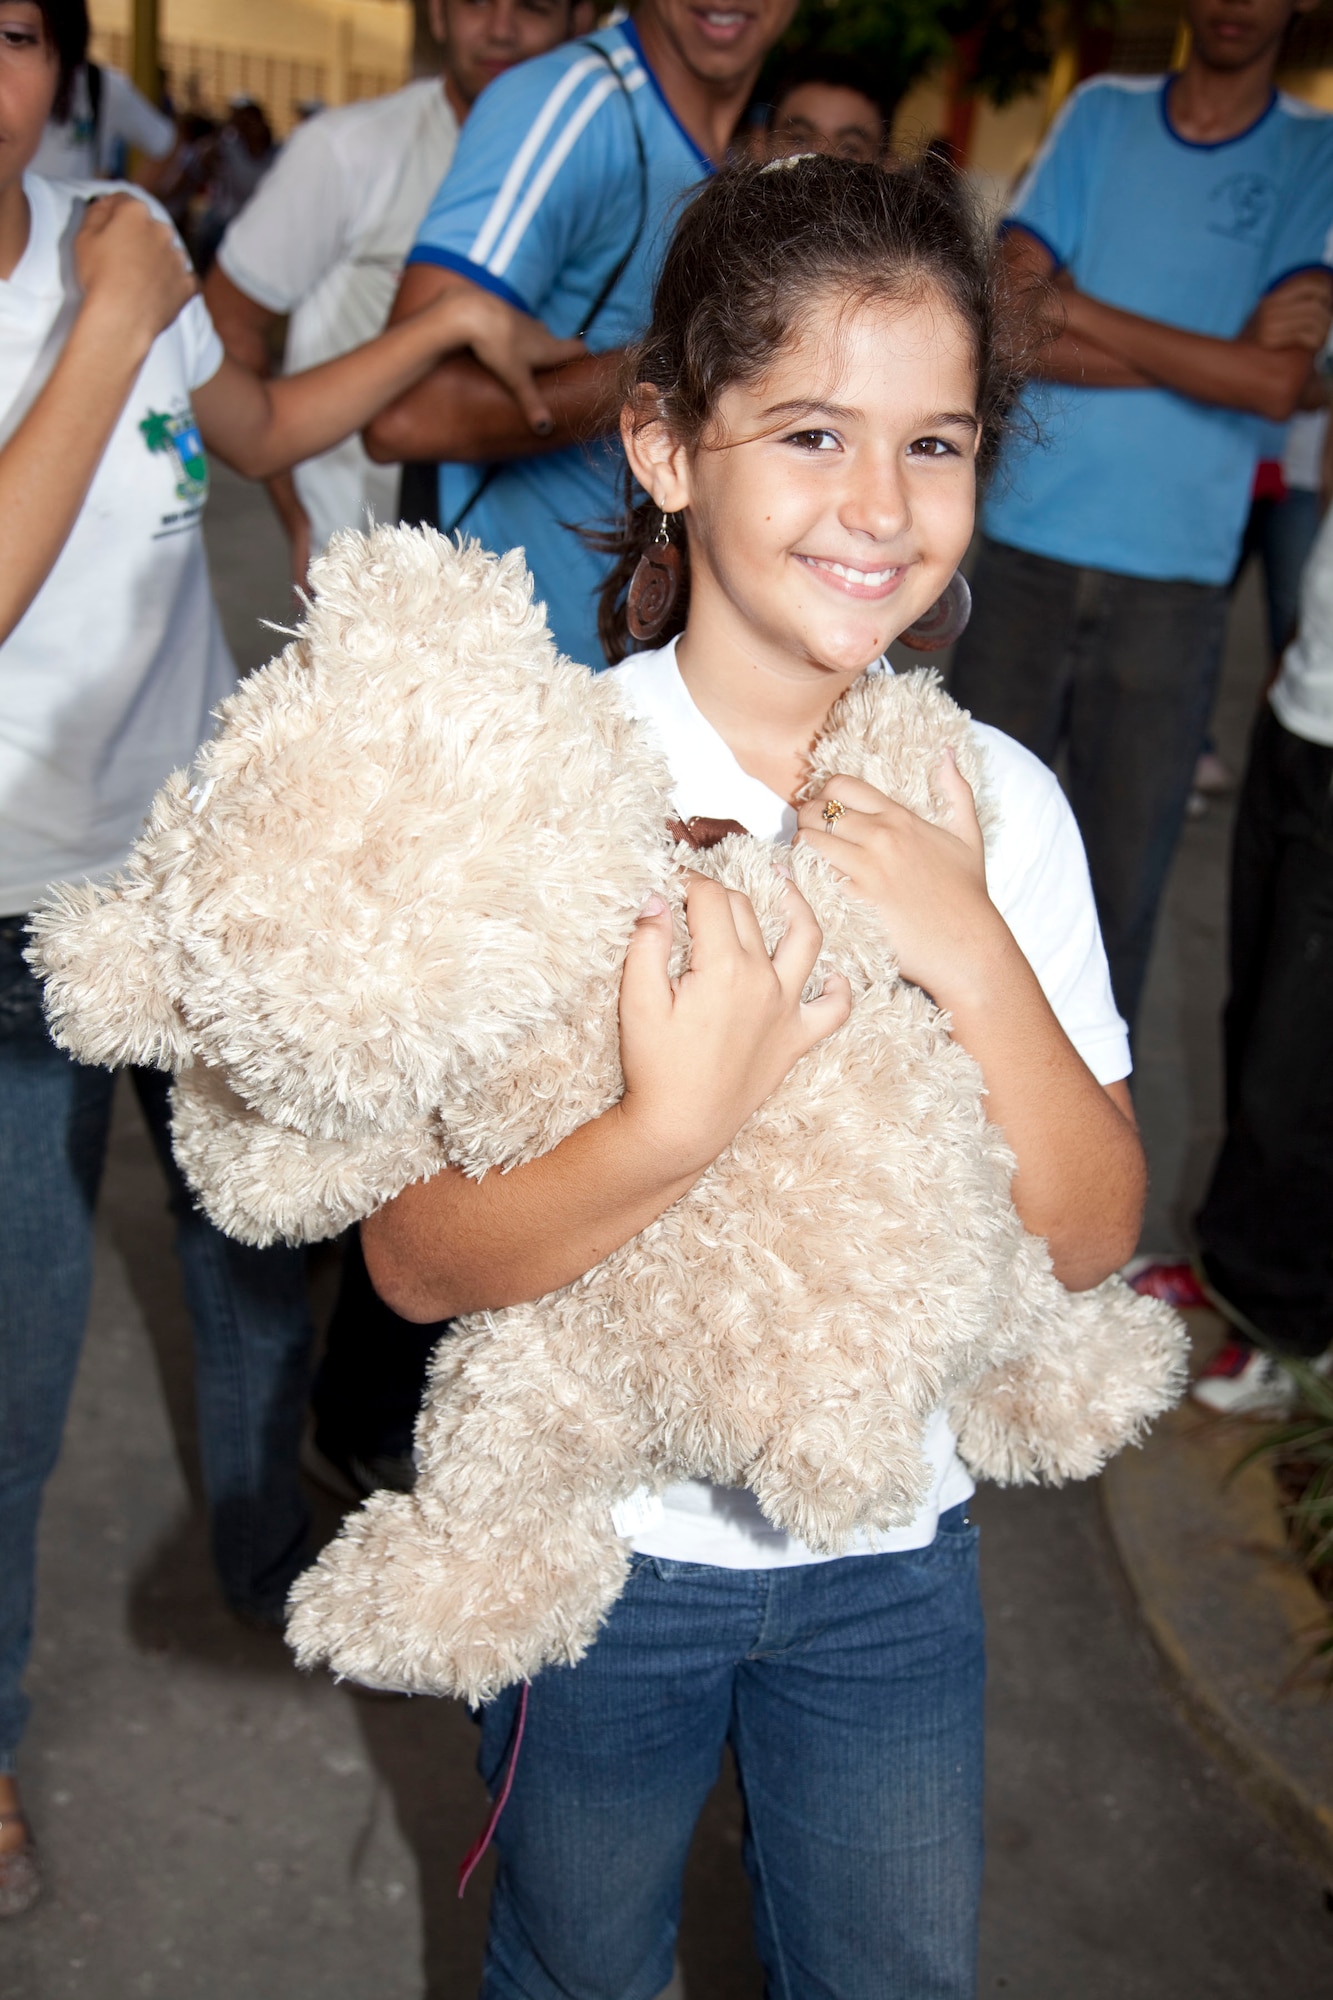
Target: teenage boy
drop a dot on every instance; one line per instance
(1186, 223)
(826, 104)
(324, 237)
(560, 202)
(1265, 1231)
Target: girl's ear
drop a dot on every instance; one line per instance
(658, 461)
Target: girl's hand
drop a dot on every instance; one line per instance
(131, 267)
(512, 344)
(928, 882)
(701, 1053)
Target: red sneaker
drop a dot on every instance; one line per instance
(1174, 1283)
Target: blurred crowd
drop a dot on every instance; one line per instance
(415, 308)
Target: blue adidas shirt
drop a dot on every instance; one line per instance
(1142, 481)
(545, 196)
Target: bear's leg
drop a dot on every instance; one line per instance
(840, 1462)
(505, 1558)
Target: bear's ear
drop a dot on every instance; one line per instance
(99, 949)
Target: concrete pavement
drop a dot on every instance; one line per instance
(219, 1827)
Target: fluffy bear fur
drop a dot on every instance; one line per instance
(381, 929)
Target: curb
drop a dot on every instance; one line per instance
(1232, 1615)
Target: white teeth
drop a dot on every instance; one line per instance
(872, 577)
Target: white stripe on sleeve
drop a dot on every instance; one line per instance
(527, 152)
(550, 167)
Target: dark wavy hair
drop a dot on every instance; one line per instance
(749, 256)
(66, 25)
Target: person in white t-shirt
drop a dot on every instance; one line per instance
(108, 678)
(324, 238)
(813, 397)
(1265, 1229)
(98, 118)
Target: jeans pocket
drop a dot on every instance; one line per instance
(956, 1526)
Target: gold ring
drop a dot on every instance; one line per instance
(833, 812)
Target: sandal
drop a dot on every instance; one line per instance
(20, 1877)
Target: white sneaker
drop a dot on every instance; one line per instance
(1245, 1381)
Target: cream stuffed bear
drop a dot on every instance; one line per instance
(380, 928)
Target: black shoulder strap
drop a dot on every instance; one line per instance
(93, 72)
(642, 223)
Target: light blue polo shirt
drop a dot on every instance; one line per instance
(545, 195)
(1143, 481)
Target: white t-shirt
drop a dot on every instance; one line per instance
(1038, 880)
(78, 149)
(107, 682)
(1303, 450)
(324, 239)
(1302, 694)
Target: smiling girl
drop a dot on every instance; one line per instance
(809, 409)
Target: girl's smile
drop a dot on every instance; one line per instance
(872, 583)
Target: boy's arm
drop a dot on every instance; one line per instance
(261, 427)
(1061, 356)
(463, 412)
(1239, 374)
(247, 330)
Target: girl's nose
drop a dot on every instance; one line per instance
(875, 500)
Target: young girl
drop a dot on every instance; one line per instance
(113, 388)
(809, 409)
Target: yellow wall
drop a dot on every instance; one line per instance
(276, 50)
(1004, 141)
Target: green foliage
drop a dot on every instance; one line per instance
(1008, 41)
(1306, 1445)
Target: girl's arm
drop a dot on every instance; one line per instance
(700, 1054)
(1081, 1176)
(261, 427)
(134, 280)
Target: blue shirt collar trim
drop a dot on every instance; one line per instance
(1202, 145)
(630, 33)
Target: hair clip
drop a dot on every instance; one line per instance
(788, 160)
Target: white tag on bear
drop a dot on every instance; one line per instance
(639, 1509)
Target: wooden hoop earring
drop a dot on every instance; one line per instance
(945, 621)
(654, 587)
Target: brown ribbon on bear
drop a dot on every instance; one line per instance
(700, 833)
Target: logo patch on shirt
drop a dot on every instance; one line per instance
(178, 433)
(1242, 207)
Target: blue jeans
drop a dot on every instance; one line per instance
(851, 1696)
(248, 1307)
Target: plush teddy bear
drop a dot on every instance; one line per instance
(379, 928)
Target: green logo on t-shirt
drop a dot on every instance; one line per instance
(178, 433)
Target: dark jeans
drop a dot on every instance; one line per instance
(1119, 671)
(373, 1375)
(851, 1695)
(1266, 1227)
(248, 1308)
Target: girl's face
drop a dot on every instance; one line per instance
(28, 76)
(832, 501)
